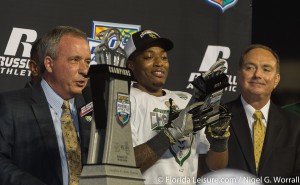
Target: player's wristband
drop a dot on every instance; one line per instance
(159, 143)
(217, 143)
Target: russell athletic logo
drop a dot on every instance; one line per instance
(11, 63)
(222, 4)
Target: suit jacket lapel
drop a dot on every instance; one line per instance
(241, 130)
(44, 119)
(272, 134)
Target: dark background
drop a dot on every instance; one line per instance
(276, 24)
(193, 26)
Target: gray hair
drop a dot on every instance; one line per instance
(49, 42)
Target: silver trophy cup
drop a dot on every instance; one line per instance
(110, 51)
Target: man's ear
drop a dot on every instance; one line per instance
(48, 62)
(277, 80)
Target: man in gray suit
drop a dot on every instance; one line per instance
(32, 147)
(258, 76)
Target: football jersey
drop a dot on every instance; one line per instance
(148, 116)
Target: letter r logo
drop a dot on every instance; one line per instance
(15, 40)
(211, 56)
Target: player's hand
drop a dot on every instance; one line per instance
(217, 133)
(180, 123)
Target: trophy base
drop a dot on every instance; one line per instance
(110, 175)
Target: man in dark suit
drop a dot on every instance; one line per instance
(33, 150)
(258, 76)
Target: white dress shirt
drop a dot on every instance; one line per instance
(250, 111)
(55, 102)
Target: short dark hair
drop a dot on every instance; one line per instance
(34, 55)
(254, 46)
(49, 42)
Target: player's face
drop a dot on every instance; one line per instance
(258, 75)
(67, 74)
(150, 69)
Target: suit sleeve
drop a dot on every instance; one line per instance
(297, 165)
(10, 174)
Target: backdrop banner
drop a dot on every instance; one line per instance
(202, 31)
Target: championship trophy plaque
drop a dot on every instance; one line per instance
(111, 159)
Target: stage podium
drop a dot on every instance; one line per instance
(111, 159)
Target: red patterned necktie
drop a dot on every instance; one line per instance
(259, 131)
(71, 144)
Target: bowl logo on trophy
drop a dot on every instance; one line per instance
(113, 42)
(110, 51)
(123, 108)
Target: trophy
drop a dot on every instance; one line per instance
(111, 159)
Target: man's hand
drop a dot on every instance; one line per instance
(217, 133)
(208, 88)
(191, 119)
(211, 81)
(180, 123)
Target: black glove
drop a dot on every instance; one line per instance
(203, 109)
(191, 119)
(209, 88)
(210, 82)
(217, 133)
(181, 123)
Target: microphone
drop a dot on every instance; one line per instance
(87, 96)
(87, 93)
